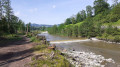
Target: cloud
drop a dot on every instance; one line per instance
(54, 6)
(17, 13)
(33, 10)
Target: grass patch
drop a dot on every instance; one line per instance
(10, 37)
(46, 61)
(6, 39)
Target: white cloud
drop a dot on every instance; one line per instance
(33, 10)
(17, 13)
(54, 6)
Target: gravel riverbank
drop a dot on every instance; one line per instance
(86, 59)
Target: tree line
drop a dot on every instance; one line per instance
(9, 23)
(90, 22)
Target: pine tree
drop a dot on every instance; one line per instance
(8, 12)
(89, 11)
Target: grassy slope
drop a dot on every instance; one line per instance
(78, 24)
(104, 36)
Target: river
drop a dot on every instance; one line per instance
(108, 50)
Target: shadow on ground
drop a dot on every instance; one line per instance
(5, 42)
(14, 56)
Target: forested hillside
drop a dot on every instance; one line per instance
(101, 21)
(9, 23)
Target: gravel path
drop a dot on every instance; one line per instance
(17, 54)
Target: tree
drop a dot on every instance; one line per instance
(83, 14)
(100, 6)
(9, 23)
(60, 28)
(73, 20)
(114, 15)
(69, 30)
(28, 26)
(54, 29)
(78, 18)
(8, 11)
(115, 2)
(75, 31)
(0, 9)
(87, 29)
(109, 29)
(89, 11)
(68, 21)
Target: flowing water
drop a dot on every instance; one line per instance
(108, 50)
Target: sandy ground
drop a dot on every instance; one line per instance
(16, 54)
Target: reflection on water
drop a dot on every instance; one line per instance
(53, 38)
(108, 50)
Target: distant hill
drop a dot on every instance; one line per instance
(41, 25)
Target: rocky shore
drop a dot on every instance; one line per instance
(82, 58)
(86, 59)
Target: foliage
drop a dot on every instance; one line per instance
(100, 6)
(104, 24)
(83, 14)
(68, 21)
(75, 31)
(78, 18)
(87, 29)
(117, 39)
(9, 23)
(73, 20)
(53, 30)
(89, 11)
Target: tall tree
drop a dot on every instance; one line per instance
(100, 6)
(9, 23)
(73, 20)
(89, 11)
(115, 2)
(28, 27)
(8, 11)
(68, 21)
(78, 18)
(83, 14)
(0, 9)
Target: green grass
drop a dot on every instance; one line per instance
(78, 24)
(11, 37)
(33, 39)
(46, 61)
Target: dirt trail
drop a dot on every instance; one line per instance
(17, 54)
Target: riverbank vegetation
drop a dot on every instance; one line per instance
(44, 56)
(101, 21)
(47, 60)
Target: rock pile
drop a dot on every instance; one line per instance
(86, 59)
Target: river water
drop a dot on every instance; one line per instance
(108, 50)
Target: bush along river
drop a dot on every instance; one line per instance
(86, 52)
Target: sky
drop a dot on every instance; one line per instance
(48, 11)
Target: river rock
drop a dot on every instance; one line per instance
(88, 59)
